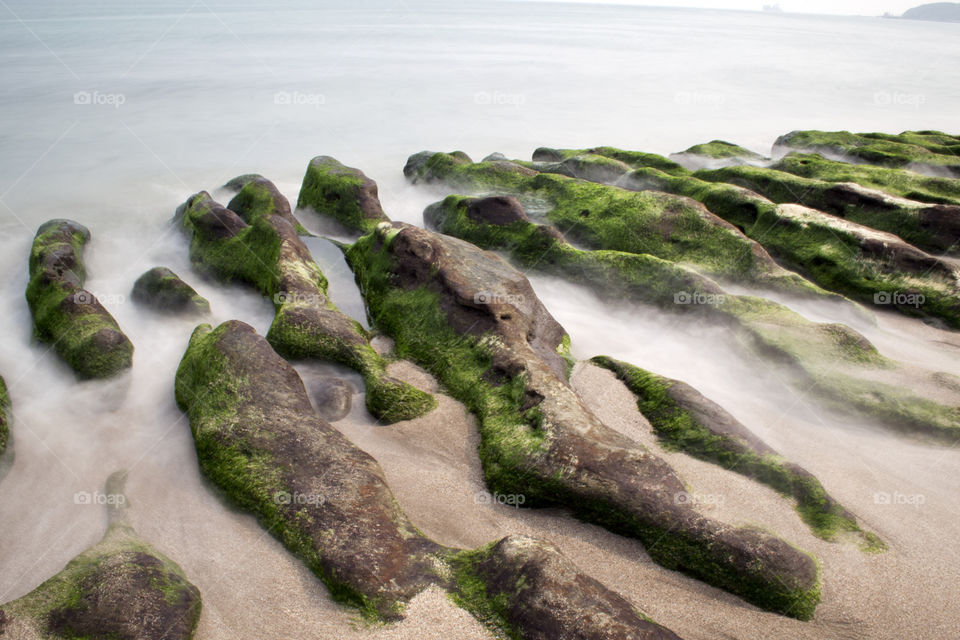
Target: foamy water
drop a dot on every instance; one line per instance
(116, 112)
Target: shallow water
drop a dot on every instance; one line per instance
(115, 112)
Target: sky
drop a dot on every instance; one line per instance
(849, 7)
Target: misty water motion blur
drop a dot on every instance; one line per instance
(115, 112)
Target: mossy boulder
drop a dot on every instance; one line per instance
(687, 421)
(864, 264)
(475, 323)
(122, 589)
(899, 182)
(632, 159)
(259, 440)
(928, 152)
(254, 241)
(163, 290)
(714, 154)
(928, 226)
(830, 359)
(4, 416)
(527, 589)
(343, 193)
(677, 229)
(66, 315)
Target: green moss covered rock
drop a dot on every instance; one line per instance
(527, 589)
(870, 266)
(927, 226)
(930, 152)
(259, 440)
(832, 360)
(66, 315)
(255, 241)
(343, 193)
(122, 589)
(714, 154)
(687, 421)
(475, 323)
(598, 216)
(899, 182)
(163, 290)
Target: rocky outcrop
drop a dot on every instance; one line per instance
(898, 182)
(163, 290)
(255, 241)
(685, 419)
(527, 588)
(867, 265)
(840, 364)
(678, 229)
(928, 226)
(715, 154)
(343, 193)
(259, 440)
(485, 335)
(65, 314)
(934, 153)
(122, 588)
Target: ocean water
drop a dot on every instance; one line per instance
(112, 113)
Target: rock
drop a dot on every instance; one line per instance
(333, 398)
(715, 154)
(254, 241)
(260, 441)
(678, 229)
(898, 182)
(685, 419)
(840, 364)
(632, 159)
(930, 227)
(909, 150)
(240, 182)
(485, 335)
(4, 416)
(69, 317)
(528, 587)
(852, 259)
(163, 290)
(343, 193)
(496, 210)
(260, 198)
(122, 588)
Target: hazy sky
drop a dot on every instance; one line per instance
(852, 7)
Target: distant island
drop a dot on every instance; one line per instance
(936, 11)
